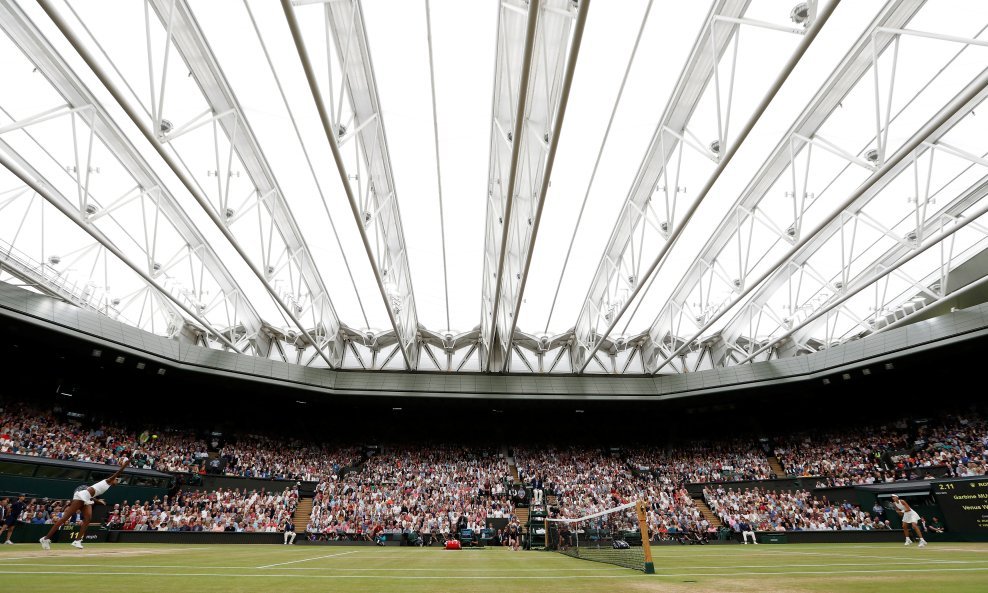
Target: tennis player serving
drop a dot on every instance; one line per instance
(909, 518)
(83, 500)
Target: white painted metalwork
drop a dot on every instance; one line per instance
(865, 214)
(369, 183)
(530, 90)
(659, 191)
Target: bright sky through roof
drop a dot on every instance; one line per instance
(590, 184)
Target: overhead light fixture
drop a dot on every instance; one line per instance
(826, 381)
(119, 360)
(395, 409)
(140, 366)
(800, 14)
(846, 376)
(97, 352)
(865, 372)
(889, 366)
(161, 371)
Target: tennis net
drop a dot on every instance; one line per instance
(616, 536)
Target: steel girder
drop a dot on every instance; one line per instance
(39, 185)
(933, 227)
(306, 292)
(177, 17)
(530, 94)
(887, 312)
(779, 274)
(621, 273)
(377, 214)
(706, 267)
(197, 253)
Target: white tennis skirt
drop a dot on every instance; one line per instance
(84, 496)
(910, 517)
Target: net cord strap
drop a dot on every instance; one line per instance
(595, 515)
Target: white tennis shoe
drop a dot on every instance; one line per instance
(77, 544)
(45, 543)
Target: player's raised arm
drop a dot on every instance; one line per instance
(123, 465)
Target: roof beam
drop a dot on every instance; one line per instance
(803, 131)
(931, 232)
(515, 34)
(33, 44)
(379, 219)
(546, 106)
(189, 40)
(30, 178)
(612, 289)
(958, 108)
(531, 89)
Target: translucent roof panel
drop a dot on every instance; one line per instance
(732, 179)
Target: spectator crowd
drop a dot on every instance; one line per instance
(251, 511)
(770, 510)
(435, 490)
(25, 431)
(430, 490)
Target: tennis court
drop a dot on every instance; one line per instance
(765, 568)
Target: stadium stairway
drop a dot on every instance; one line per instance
(708, 514)
(522, 514)
(773, 462)
(511, 464)
(303, 512)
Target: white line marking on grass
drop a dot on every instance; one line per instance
(826, 572)
(65, 551)
(306, 559)
(485, 577)
(934, 563)
(339, 568)
(402, 577)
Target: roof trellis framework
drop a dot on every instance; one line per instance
(670, 187)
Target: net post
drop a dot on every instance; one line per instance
(545, 523)
(646, 544)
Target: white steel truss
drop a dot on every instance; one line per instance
(532, 76)
(659, 202)
(282, 261)
(193, 275)
(727, 269)
(842, 232)
(355, 115)
(871, 296)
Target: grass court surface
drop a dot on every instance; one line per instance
(110, 568)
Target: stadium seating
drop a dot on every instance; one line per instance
(441, 491)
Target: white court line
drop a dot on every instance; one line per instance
(319, 576)
(89, 553)
(500, 577)
(473, 570)
(306, 559)
(344, 569)
(826, 572)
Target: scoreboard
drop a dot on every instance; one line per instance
(964, 504)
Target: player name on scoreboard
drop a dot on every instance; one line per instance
(964, 504)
